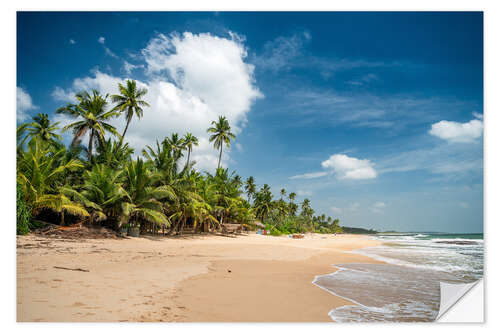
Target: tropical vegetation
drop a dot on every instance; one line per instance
(99, 179)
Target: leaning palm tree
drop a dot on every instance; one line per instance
(41, 128)
(221, 134)
(91, 110)
(130, 102)
(189, 141)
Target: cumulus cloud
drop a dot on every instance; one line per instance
(24, 104)
(310, 175)
(346, 167)
(192, 79)
(455, 132)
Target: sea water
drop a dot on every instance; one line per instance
(408, 288)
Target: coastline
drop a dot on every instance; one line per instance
(209, 278)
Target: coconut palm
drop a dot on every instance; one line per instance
(283, 193)
(113, 153)
(189, 141)
(221, 135)
(92, 114)
(130, 102)
(175, 143)
(144, 199)
(250, 187)
(102, 193)
(41, 171)
(40, 128)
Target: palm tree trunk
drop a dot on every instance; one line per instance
(91, 143)
(189, 153)
(125, 131)
(182, 225)
(62, 217)
(220, 155)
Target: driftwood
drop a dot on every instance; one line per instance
(297, 236)
(72, 269)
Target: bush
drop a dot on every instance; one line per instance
(275, 232)
(23, 213)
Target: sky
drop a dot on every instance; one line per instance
(376, 117)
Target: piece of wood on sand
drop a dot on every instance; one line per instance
(72, 269)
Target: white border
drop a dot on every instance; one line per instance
(491, 167)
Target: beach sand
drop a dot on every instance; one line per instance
(247, 278)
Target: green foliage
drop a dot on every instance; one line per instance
(109, 188)
(23, 213)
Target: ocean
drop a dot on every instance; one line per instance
(406, 290)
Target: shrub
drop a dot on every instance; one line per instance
(275, 232)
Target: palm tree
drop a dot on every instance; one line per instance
(263, 202)
(144, 199)
(102, 193)
(221, 134)
(40, 129)
(113, 154)
(92, 111)
(41, 171)
(283, 193)
(250, 187)
(292, 196)
(176, 143)
(189, 141)
(130, 102)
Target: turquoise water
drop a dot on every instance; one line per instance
(408, 288)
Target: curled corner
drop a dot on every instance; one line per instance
(457, 306)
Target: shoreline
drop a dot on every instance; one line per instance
(206, 278)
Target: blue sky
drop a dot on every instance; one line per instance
(375, 117)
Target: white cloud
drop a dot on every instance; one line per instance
(477, 115)
(110, 53)
(128, 67)
(310, 175)
(72, 41)
(209, 78)
(363, 80)
(24, 104)
(279, 53)
(378, 207)
(304, 193)
(455, 132)
(346, 167)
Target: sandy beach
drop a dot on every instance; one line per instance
(247, 278)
